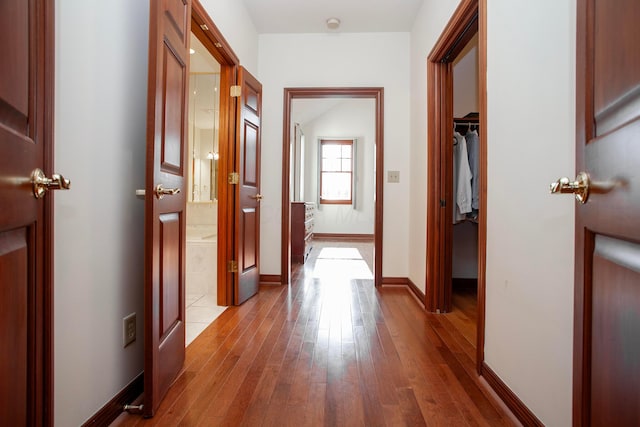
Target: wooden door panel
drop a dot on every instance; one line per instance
(171, 298)
(613, 158)
(252, 99)
(172, 100)
(249, 154)
(26, 82)
(165, 240)
(619, 71)
(615, 343)
(248, 199)
(21, 149)
(14, 51)
(20, 155)
(249, 251)
(15, 287)
(178, 16)
(607, 314)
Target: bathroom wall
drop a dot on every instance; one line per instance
(202, 213)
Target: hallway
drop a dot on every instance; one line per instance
(328, 350)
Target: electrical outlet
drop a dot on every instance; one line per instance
(393, 176)
(128, 329)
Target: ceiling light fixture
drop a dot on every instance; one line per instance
(333, 23)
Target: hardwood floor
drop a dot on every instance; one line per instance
(329, 350)
(464, 315)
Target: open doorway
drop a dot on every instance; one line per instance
(458, 250)
(201, 289)
(333, 179)
(358, 152)
(465, 192)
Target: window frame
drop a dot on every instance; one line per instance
(341, 142)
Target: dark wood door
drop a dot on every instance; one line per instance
(248, 193)
(165, 200)
(607, 306)
(26, 69)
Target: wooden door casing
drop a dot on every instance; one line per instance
(208, 33)
(165, 218)
(26, 143)
(249, 111)
(607, 286)
(291, 94)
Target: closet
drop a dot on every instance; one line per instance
(466, 170)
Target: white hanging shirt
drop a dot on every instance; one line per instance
(461, 179)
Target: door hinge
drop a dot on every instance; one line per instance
(234, 178)
(235, 91)
(443, 203)
(232, 266)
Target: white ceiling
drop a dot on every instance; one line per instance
(310, 16)
(201, 61)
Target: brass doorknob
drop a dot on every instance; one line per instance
(42, 184)
(161, 191)
(583, 186)
(257, 197)
(580, 187)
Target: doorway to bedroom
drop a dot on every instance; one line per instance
(332, 194)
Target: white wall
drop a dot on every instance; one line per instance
(352, 118)
(235, 24)
(337, 60)
(465, 80)
(100, 133)
(100, 115)
(530, 234)
(430, 21)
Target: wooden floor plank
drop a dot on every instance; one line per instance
(331, 350)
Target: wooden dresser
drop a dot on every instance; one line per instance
(301, 230)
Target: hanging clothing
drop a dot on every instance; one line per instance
(461, 179)
(473, 149)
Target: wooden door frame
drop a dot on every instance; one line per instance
(584, 242)
(208, 33)
(376, 93)
(45, 319)
(48, 59)
(468, 18)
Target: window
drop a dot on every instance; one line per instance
(336, 171)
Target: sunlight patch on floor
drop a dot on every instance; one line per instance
(339, 253)
(339, 264)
